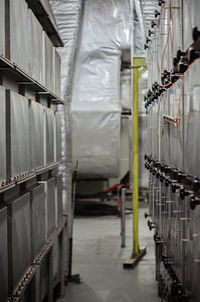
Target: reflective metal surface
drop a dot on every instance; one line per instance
(48, 62)
(175, 217)
(3, 255)
(57, 72)
(18, 238)
(20, 151)
(37, 222)
(50, 205)
(49, 141)
(59, 198)
(58, 146)
(36, 112)
(18, 27)
(34, 47)
(2, 136)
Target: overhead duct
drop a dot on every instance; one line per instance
(96, 109)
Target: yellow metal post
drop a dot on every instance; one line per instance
(135, 162)
(138, 65)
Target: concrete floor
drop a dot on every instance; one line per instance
(98, 257)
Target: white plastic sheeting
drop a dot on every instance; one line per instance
(96, 115)
(125, 86)
(139, 37)
(67, 14)
(107, 23)
(96, 108)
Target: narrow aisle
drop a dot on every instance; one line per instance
(98, 258)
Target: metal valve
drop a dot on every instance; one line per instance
(162, 177)
(150, 33)
(195, 33)
(167, 181)
(174, 186)
(194, 201)
(183, 193)
(150, 225)
(196, 184)
(153, 24)
(157, 13)
(160, 2)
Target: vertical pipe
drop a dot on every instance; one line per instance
(135, 160)
(123, 218)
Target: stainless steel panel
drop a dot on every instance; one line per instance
(59, 197)
(2, 136)
(49, 142)
(48, 62)
(191, 18)
(36, 135)
(20, 149)
(2, 27)
(191, 121)
(50, 205)
(56, 261)
(37, 203)
(18, 28)
(3, 255)
(18, 238)
(58, 137)
(48, 9)
(57, 72)
(34, 47)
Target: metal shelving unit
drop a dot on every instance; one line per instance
(33, 227)
(46, 21)
(24, 79)
(32, 270)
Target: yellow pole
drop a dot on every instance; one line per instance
(137, 63)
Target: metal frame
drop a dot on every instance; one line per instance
(24, 79)
(33, 269)
(43, 17)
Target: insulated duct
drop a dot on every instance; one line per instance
(96, 108)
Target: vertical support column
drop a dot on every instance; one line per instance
(139, 66)
(123, 218)
(135, 160)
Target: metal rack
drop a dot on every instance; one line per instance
(46, 21)
(33, 269)
(33, 227)
(24, 79)
(172, 107)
